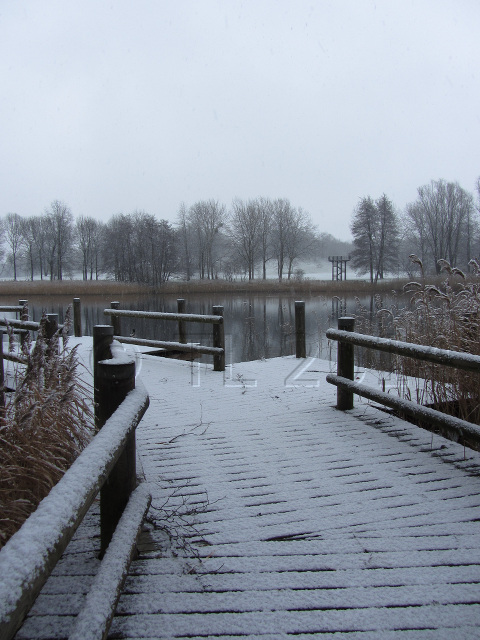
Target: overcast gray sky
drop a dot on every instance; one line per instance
(142, 104)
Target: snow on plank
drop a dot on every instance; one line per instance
(298, 519)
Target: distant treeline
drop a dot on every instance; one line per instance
(441, 225)
(247, 240)
(207, 241)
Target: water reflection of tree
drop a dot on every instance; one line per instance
(256, 330)
(286, 326)
(375, 319)
(256, 326)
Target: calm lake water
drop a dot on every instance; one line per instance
(256, 326)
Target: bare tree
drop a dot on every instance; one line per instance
(118, 253)
(186, 238)
(14, 236)
(299, 237)
(246, 232)
(29, 229)
(58, 237)
(207, 218)
(441, 217)
(140, 248)
(88, 235)
(280, 212)
(266, 212)
(291, 234)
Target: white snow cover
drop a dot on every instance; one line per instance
(23, 557)
(99, 606)
(310, 521)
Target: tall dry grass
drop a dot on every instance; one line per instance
(19, 289)
(45, 424)
(25, 288)
(447, 317)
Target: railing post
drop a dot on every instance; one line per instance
(2, 380)
(77, 318)
(51, 328)
(182, 333)
(300, 348)
(115, 320)
(345, 364)
(102, 341)
(23, 318)
(219, 340)
(112, 382)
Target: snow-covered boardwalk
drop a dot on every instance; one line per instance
(298, 520)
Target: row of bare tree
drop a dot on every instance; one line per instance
(207, 241)
(443, 223)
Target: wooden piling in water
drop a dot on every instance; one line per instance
(77, 318)
(115, 320)
(23, 318)
(218, 340)
(182, 332)
(300, 347)
(345, 364)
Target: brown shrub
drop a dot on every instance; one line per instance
(45, 424)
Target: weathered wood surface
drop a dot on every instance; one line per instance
(319, 524)
(30, 555)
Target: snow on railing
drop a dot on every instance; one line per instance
(216, 320)
(28, 558)
(448, 426)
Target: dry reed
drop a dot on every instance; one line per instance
(446, 317)
(305, 287)
(45, 424)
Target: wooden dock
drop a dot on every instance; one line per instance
(276, 516)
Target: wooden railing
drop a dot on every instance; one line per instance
(216, 320)
(23, 325)
(448, 426)
(106, 465)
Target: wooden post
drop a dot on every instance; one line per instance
(2, 380)
(115, 320)
(51, 328)
(112, 382)
(345, 364)
(219, 340)
(24, 312)
(23, 318)
(182, 332)
(102, 340)
(77, 318)
(300, 348)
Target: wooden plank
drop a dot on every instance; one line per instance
(96, 615)
(48, 530)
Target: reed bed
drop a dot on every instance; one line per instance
(45, 424)
(444, 314)
(276, 287)
(79, 288)
(26, 288)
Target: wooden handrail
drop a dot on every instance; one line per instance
(446, 357)
(176, 346)
(48, 530)
(448, 426)
(160, 315)
(216, 319)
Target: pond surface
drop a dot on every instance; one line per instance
(256, 326)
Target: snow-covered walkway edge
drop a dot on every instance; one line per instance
(275, 514)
